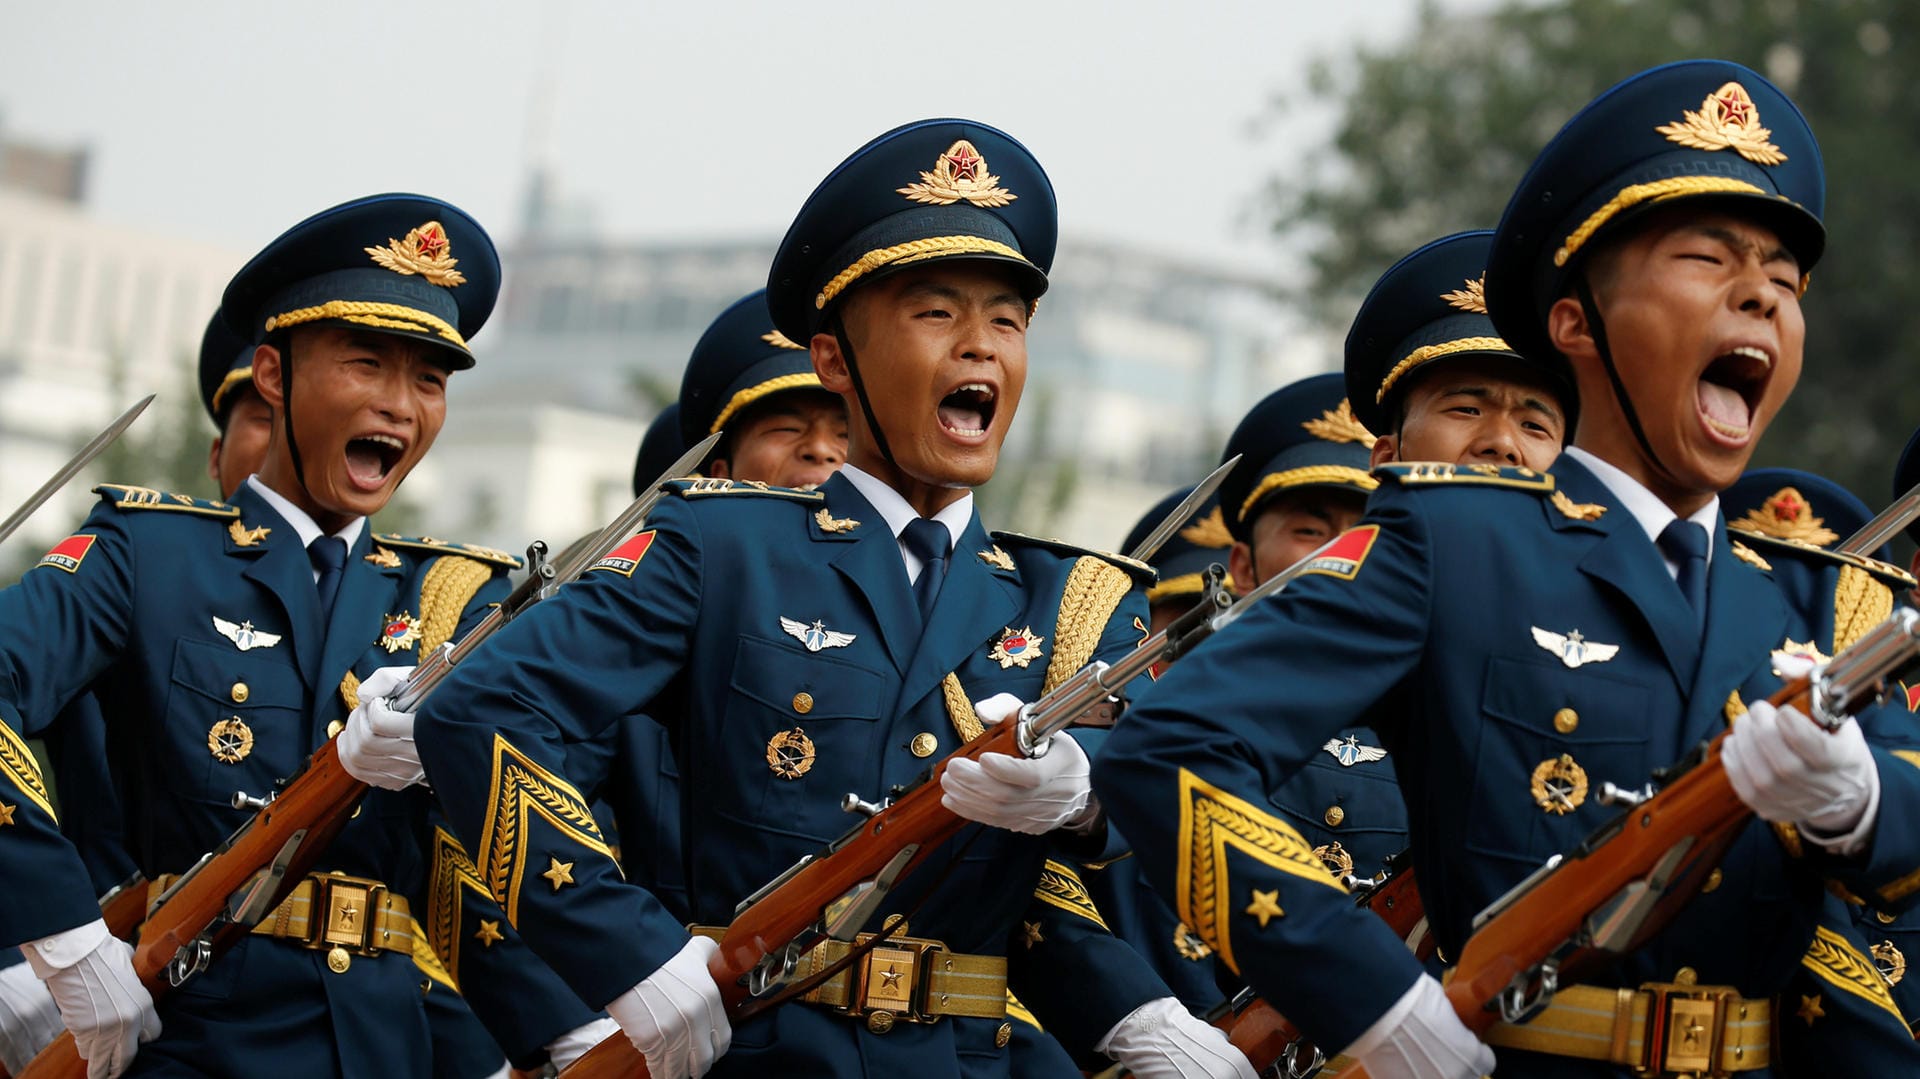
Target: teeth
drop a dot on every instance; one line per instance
(977, 387)
(1752, 353)
(384, 440)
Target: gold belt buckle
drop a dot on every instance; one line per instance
(351, 906)
(891, 984)
(1686, 1029)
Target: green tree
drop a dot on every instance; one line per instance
(1432, 134)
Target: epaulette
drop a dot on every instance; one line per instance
(440, 546)
(1437, 473)
(123, 497)
(1139, 570)
(702, 487)
(1886, 572)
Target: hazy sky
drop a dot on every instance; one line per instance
(230, 121)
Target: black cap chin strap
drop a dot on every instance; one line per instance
(1598, 329)
(860, 391)
(286, 415)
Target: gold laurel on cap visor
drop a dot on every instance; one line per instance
(1656, 191)
(1429, 353)
(934, 247)
(1186, 584)
(229, 384)
(805, 381)
(380, 316)
(1309, 476)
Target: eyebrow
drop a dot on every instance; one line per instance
(1536, 404)
(1734, 240)
(935, 290)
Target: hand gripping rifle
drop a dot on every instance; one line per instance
(1624, 883)
(231, 888)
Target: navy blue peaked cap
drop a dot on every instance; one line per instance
(1787, 503)
(1428, 307)
(660, 447)
(1203, 540)
(406, 265)
(226, 365)
(925, 192)
(737, 362)
(1301, 435)
(1695, 129)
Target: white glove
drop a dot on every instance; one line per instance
(574, 1044)
(376, 746)
(1032, 796)
(89, 971)
(1421, 1037)
(1162, 1040)
(1785, 768)
(676, 1018)
(29, 1019)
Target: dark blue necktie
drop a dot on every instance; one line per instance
(1685, 543)
(929, 541)
(329, 556)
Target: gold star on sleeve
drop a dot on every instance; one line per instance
(1031, 930)
(1265, 906)
(488, 933)
(6, 814)
(558, 872)
(1810, 1009)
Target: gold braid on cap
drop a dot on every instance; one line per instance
(912, 251)
(1301, 477)
(1657, 191)
(384, 316)
(1426, 353)
(803, 380)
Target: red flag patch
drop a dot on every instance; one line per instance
(626, 557)
(69, 553)
(1913, 696)
(1343, 558)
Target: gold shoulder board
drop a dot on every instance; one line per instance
(1437, 474)
(474, 551)
(1885, 572)
(123, 497)
(1135, 568)
(702, 487)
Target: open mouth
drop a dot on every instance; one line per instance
(968, 410)
(1729, 392)
(371, 459)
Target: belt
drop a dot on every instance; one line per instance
(1658, 1029)
(904, 979)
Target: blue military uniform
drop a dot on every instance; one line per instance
(1789, 520)
(200, 626)
(1517, 640)
(1305, 437)
(781, 625)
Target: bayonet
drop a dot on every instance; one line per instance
(72, 468)
(1177, 519)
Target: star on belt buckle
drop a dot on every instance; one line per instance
(891, 984)
(1686, 1025)
(345, 912)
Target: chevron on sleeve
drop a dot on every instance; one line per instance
(519, 790)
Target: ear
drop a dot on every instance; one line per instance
(830, 364)
(266, 376)
(213, 459)
(1386, 450)
(1240, 567)
(719, 469)
(1569, 330)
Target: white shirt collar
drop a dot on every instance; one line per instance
(895, 511)
(303, 525)
(1646, 507)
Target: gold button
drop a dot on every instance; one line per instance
(803, 703)
(1002, 1036)
(239, 692)
(1334, 816)
(1713, 881)
(1883, 917)
(923, 744)
(1685, 976)
(334, 729)
(338, 960)
(880, 1022)
(1565, 720)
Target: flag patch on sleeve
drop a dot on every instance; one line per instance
(69, 553)
(1343, 558)
(626, 557)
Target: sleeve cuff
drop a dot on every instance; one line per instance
(49, 955)
(1855, 839)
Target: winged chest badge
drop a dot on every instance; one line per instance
(1573, 649)
(244, 636)
(815, 636)
(1349, 752)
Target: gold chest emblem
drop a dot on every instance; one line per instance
(230, 740)
(399, 631)
(1016, 647)
(790, 754)
(1559, 785)
(246, 537)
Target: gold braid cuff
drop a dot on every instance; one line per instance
(1426, 353)
(1060, 887)
(1657, 191)
(806, 380)
(17, 764)
(914, 251)
(1859, 604)
(451, 871)
(520, 788)
(385, 316)
(1092, 593)
(1835, 961)
(428, 960)
(1301, 477)
(1017, 1010)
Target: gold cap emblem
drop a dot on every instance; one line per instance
(1727, 120)
(1209, 531)
(426, 251)
(780, 340)
(1786, 514)
(1471, 297)
(959, 175)
(1340, 426)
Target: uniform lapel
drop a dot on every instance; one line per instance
(367, 594)
(974, 605)
(870, 559)
(1627, 561)
(280, 565)
(1746, 620)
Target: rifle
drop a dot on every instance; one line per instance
(1626, 881)
(231, 888)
